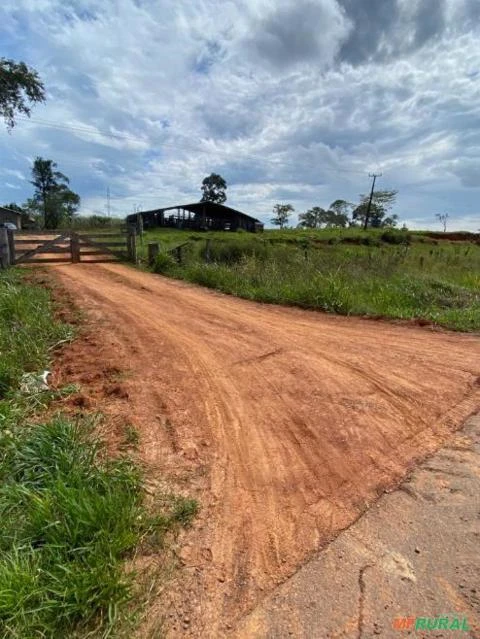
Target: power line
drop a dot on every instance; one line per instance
(171, 145)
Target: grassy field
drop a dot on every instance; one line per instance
(71, 515)
(380, 273)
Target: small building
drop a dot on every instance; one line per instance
(201, 216)
(7, 215)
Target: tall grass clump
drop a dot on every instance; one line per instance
(27, 329)
(70, 516)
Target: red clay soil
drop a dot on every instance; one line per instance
(285, 424)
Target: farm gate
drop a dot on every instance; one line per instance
(43, 247)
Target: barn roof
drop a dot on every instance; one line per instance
(212, 209)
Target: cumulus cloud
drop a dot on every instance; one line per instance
(300, 31)
(288, 100)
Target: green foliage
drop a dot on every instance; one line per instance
(382, 202)
(26, 329)
(53, 198)
(213, 189)
(93, 222)
(281, 213)
(164, 263)
(391, 236)
(235, 250)
(70, 513)
(20, 87)
(383, 272)
(335, 217)
(70, 516)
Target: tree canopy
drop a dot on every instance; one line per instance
(382, 202)
(213, 189)
(281, 213)
(336, 216)
(52, 198)
(20, 87)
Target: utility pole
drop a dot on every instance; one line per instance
(108, 201)
(367, 216)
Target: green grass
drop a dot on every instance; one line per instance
(27, 330)
(391, 275)
(71, 514)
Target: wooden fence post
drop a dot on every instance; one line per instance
(4, 249)
(11, 245)
(132, 244)
(153, 251)
(178, 252)
(75, 248)
(207, 251)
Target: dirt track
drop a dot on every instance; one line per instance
(287, 423)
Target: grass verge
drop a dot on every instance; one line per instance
(71, 515)
(436, 283)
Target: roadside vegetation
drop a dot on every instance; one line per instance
(380, 272)
(71, 514)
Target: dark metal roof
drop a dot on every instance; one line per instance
(212, 209)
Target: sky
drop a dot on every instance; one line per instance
(291, 101)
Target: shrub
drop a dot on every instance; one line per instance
(233, 251)
(396, 237)
(164, 263)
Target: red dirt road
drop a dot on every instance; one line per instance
(286, 424)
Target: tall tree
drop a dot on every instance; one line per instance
(335, 217)
(382, 202)
(52, 196)
(20, 87)
(281, 213)
(342, 210)
(213, 189)
(314, 218)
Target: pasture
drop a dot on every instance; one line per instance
(391, 274)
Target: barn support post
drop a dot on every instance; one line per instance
(11, 245)
(75, 248)
(4, 249)
(153, 251)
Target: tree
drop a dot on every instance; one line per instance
(281, 214)
(335, 217)
(213, 188)
(382, 202)
(341, 209)
(20, 86)
(52, 197)
(313, 218)
(443, 218)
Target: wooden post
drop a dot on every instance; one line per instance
(178, 252)
(153, 251)
(140, 224)
(11, 245)
(132, 244)
(75, 248)
(207, 250)
(4, 249)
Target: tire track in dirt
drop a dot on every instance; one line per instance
(288, 423)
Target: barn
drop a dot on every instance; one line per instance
(7, 215)
(201, 216)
